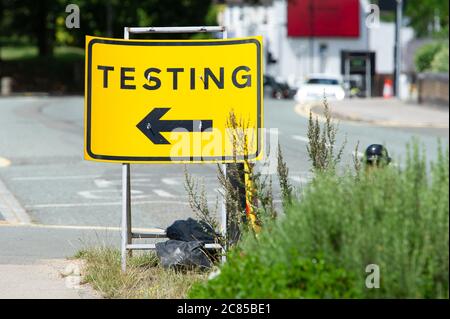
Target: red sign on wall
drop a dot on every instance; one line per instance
(323, 18)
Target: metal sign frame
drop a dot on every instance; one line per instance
(127, 235)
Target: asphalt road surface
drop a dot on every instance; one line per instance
(60, 195)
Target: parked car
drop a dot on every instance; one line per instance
(318, 86)
(277, 89)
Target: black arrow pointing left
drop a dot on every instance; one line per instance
(152, 125)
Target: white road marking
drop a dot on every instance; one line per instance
(300, 138)
(113, 178)
(303, 139)
(110, 194)
(82, 227)
(43, 178)
(10, 207)
(163, 193)
(109, 183)
(141, 182)
(103, 183)
(69, 205)
(4, 162)
(170, 181)
(98, 194)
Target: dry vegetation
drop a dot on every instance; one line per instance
(144, 278)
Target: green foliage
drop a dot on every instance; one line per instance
(61, 73)
(20, 53)
(396, 218)
(440, 61)
(42, 23)
(255, 276)
(322, 141)
(425, 56)
(426, 16)
(283, 176)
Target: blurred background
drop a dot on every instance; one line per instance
(386, 60)
(348, 43)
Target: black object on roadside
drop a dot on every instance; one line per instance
(191, 230)
(377, 155)
(181, 254)
(185, 247)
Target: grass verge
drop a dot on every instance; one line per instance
(144, 278)
(12, 53)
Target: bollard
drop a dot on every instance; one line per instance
(6, 85)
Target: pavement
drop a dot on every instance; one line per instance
(53, 203)
(44, 280)
(35, 263)
(385, 112)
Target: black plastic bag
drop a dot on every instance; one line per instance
(191, 230)
(181, 254)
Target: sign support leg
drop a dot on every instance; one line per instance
(126, 215)
(223, 217)
(223, 221)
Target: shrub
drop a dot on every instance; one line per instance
(321, 146)
(440, 61)
(425, 55)
(396, 218)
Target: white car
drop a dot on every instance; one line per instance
(319, 86)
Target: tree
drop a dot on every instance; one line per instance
(426, 16)
(37, 20)
(34, 20)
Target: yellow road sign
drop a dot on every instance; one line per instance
(170, 101)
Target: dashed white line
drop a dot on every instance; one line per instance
(112, 178)
(300, 138)
(69, 205)
(84, 227)
(170, 181)
(163, 193)
(43, 178)
(103, 183)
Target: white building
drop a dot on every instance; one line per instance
(296, 57)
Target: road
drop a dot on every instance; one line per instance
(67, 201)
